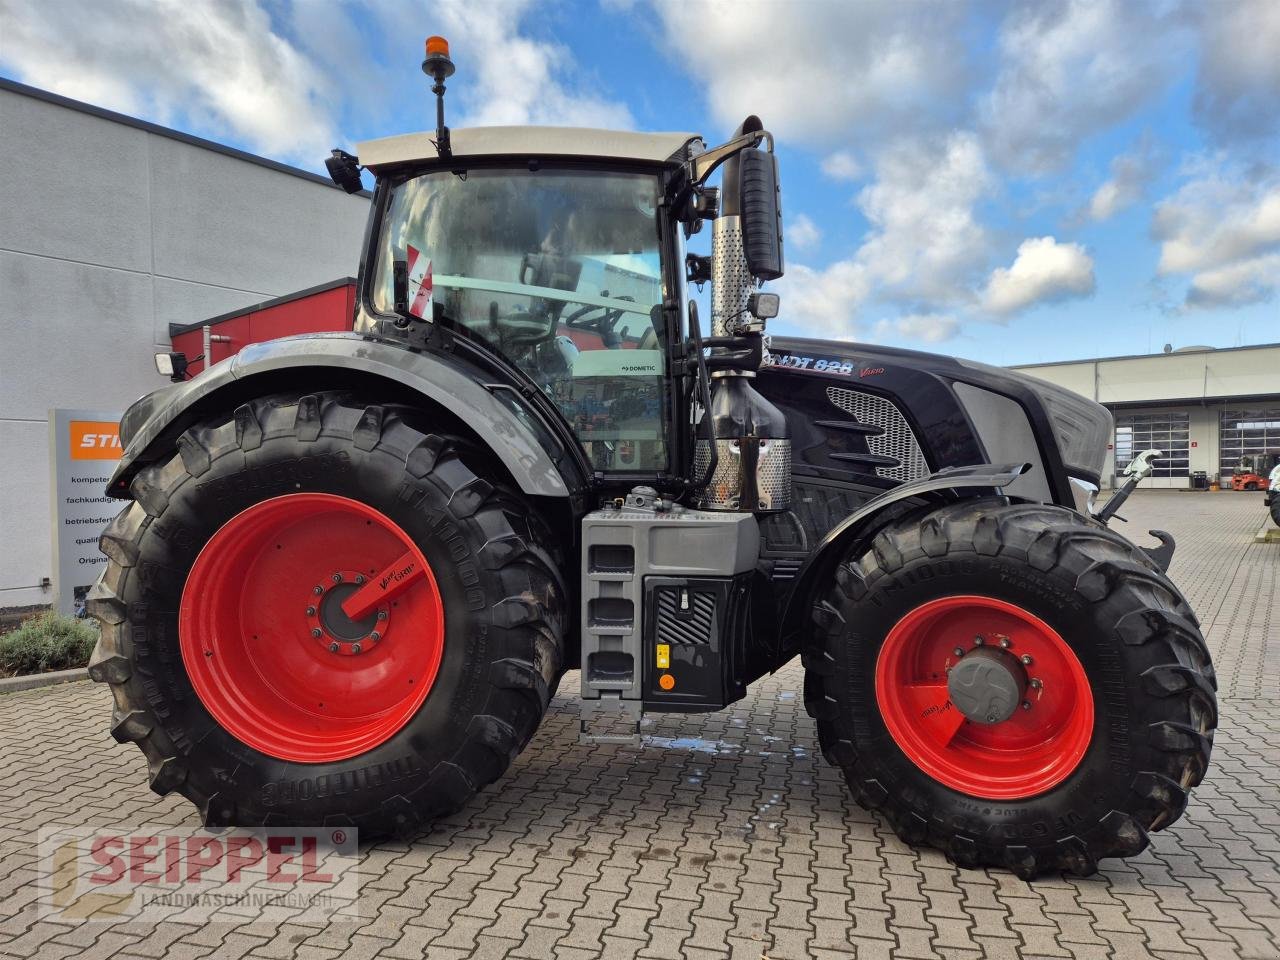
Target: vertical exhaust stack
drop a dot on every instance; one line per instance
(747, 432)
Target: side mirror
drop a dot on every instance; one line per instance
(344, 170)
(761, 207)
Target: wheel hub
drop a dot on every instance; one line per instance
(330, 626)
(987, 685)
(984, 697)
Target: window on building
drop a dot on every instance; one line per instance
(1168, 432)
(1247, 433)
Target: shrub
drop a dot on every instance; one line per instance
(48, 641)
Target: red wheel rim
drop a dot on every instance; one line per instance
(1035, 749)
(262, 588)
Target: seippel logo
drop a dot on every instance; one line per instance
(95, 440)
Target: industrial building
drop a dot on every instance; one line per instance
(121, 238)
(1205, 408)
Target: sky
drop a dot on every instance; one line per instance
(1013, 182)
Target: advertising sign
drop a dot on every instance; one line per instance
(84, 446)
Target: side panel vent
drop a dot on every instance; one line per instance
(687, 623)
(897, 441)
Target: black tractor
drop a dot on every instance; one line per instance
(352, 568)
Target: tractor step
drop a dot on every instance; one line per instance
(610, 719)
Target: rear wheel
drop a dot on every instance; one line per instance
(1013, 684)
(320, 613)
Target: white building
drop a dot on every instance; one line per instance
(110, 230)
(1204, 408)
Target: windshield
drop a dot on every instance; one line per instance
(560, 272)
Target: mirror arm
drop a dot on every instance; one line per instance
(705, 164)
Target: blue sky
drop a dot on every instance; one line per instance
(1012, 182)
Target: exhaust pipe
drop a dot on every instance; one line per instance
(748, 433)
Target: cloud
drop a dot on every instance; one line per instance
(519, 80)
(1237, 284)
(801, 232)
(814, 73)
(925, 241)
(1130, 174)
(841, 165)
(1043, 271)
(217, 66)
(1238, 85)
(928, 327)
(277, 76)
(1223, 227)
(825, 301)
(1071, 69)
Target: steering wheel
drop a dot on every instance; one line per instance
(603, 324)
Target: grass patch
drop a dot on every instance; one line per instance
(47, 641)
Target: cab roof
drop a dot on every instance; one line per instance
(580, 143)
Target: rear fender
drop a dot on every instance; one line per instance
(859, 528)
(498, 418)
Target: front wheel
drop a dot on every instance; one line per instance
(318, 612)
(1014, 684)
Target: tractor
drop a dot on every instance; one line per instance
(353, 567)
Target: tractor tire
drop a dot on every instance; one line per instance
(1275, 508)
(1083, 712)
(233, 665)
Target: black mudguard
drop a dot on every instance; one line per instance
(151, 426)
(944, 486)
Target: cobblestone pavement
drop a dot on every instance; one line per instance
(725, 834)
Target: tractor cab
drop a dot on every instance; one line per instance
(555, 259)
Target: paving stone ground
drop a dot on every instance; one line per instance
(725, 835)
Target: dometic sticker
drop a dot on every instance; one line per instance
(419, 283)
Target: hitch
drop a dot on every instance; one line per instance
(1138, 470)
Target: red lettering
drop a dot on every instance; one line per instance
(100, 854)
(237, 860)
(139, 857)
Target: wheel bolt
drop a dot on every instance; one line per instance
(317, 590)
(315, 632)
(382, 614)
(1035, 683)
(958, 651)
(1005, 643)
(359, 578)
(979, 641)
(337, 578)
(1026, 704)
(355, 648)
(1026, 659)
(311, 611)
(333, 648)
(375, 636)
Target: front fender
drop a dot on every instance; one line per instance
(499, 417)
(861, 525)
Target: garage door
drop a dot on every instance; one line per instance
(1247, 431)
(1169, 432)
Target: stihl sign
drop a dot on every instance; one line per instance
(95, 440)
